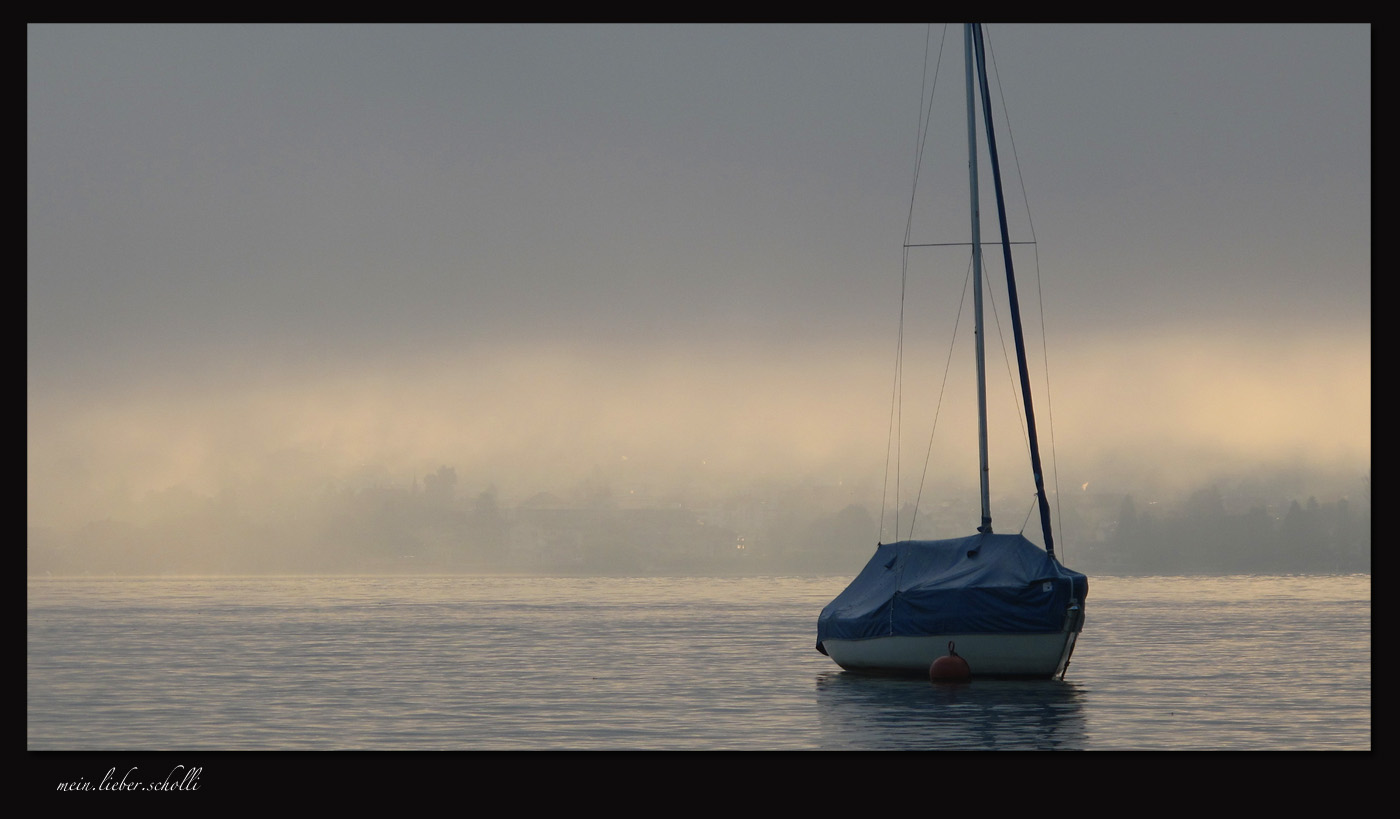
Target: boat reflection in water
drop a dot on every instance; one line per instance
(863, 712)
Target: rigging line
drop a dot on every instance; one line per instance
(1040, 291)
(942, 389)
(925, 115)
(1027, 519)
(892, 444)
(1011, 381)
(1049, 403)
(1011, 138)
(967, 244)
(897, 396)
(1036, 467)
(895, 440)
(1006, 358)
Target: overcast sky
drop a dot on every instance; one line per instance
(537, 252)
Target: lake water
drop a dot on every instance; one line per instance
(512, 663)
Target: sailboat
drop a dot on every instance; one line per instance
(1003, 604)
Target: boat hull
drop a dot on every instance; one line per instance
(1027, 656)
(1010, 608)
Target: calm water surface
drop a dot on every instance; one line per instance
(493, 663)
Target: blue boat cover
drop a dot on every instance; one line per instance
(986, 583)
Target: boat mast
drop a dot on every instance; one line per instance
(986, 526)
(1012, 300)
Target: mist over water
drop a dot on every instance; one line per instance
(275, 453)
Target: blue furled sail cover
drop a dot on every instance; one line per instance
(972, 585)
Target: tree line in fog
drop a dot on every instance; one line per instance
(429, 526)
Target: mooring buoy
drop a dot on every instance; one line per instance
(951, 668)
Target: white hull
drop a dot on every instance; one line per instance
(987, 655)
(1043, 656)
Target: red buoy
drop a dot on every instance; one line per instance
(952, 668)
